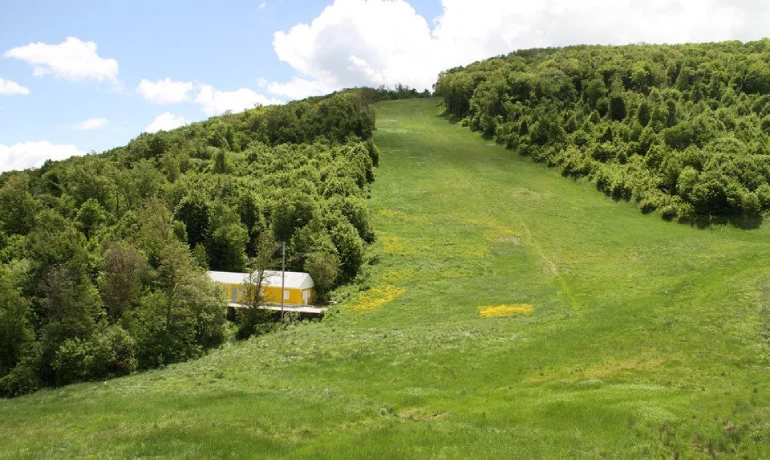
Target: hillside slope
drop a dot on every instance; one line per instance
(103, 257)
(682, 129)
(627, 336)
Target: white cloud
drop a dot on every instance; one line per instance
(491, 27)
(92, 123)
(72, 59)
(300, 88)
(214, 101)
(262, 5)
(374, 42)
(166, 121)
(33, 154)
(165, 91)
(9, 88)
(211, 100)
(357, 42)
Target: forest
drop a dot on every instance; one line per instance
(680, 129)
(103, 257)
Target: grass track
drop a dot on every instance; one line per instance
(647, 337)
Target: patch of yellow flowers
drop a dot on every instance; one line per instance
(378, 296)
(500, 311)
(399, 275)
(393, 244)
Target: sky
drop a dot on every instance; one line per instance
(85, 76)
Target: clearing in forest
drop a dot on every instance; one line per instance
(647, 338)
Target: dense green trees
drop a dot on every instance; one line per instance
(399, 91)
(681, 129)
(15, 329)
(103, 257)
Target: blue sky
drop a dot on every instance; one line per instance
(199, 58)
(227, 45)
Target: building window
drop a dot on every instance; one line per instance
(235, 294)
(285, 295)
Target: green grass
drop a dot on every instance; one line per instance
(647, 337)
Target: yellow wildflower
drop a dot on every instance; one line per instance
(499, 311)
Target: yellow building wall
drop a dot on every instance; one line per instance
(272, 295)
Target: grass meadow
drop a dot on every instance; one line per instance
(512, 313)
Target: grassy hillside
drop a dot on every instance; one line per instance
(682, 129)
(627, 336)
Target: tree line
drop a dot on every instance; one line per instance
(680, 129)
(103, 257)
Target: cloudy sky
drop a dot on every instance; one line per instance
(89, 75)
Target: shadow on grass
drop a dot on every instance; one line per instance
(742, 222)
(453, 119)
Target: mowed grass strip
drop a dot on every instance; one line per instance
(648, 339)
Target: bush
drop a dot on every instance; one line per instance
(687, 180)
(653, 201)
(73, 361)
(357, 213)
(750, 204)
(324, 269)
(253, 322)
(604, 152)
(669, 212)
(763, 193)
(114, 353)
(25, 376)
(348, 243)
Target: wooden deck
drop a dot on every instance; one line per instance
(304, 311)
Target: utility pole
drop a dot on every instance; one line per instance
(283, 274)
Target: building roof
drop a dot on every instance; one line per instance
(292, 280)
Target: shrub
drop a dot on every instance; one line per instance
(324, 268)
(25, 376)
(253, 322)
(73, 361)
(114, 353)
(669, 212)
(604, 152)
(763, 194)
(750, 204)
